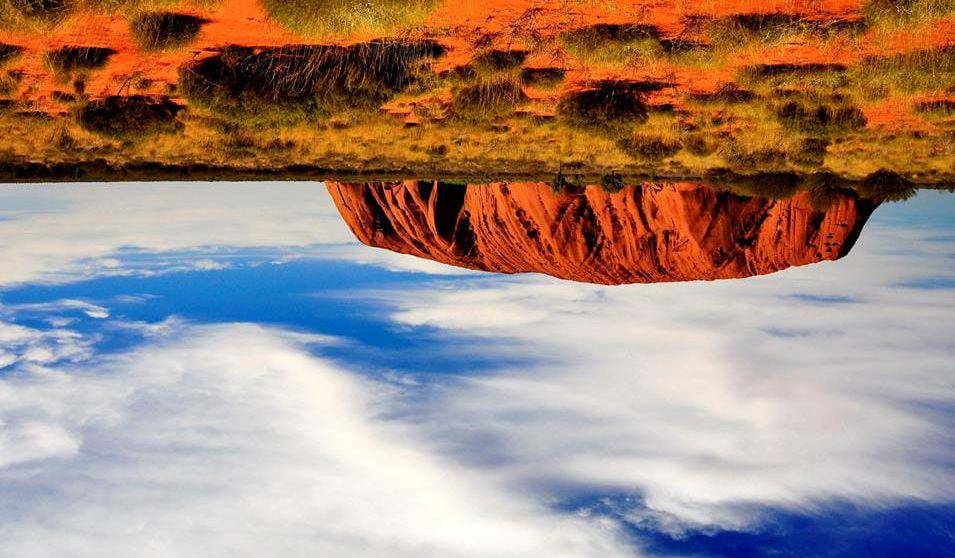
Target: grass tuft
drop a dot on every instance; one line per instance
(821, 118)
(71, 59)
(42, 12)
(335, 18)
(612, 45)
(295, 82)
(543, 78)
(9, 53)
(650, 147)
(491, 61)
(487, 100)
(165, 30)
(608, 107)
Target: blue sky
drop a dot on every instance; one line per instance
(220, 370)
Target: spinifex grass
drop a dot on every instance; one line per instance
(336, 18)
(290, 83)
(165, 30)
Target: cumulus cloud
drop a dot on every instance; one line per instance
(708, 400)
(713, 401)
(235, 440)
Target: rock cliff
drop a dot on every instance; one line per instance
(642, 234)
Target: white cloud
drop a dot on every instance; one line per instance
(234, 441)
(63, 232)
(706, 399)
(209, 265)
(712, 400)
(94, 311)
(20, 344)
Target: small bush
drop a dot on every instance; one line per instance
(63, 97)
(607, 107)
(9, 53)
(612, 183)
(649, 147)
(491, 61)
(165, 30)
(294, 82)
(761, 159)
(812, 152)
(42, 11)
(9, 83)
(921, 70)
(609, 44)
(543, 78)
(729, 93)
(564, 184)
(700, 145)
(785, 71)
(487, 100)
(335, 18)
(825, 188)
(821, 118)
(130, 117)
(940, 106)
(78, 58)
(772, 27)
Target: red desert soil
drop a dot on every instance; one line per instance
(643, 234)
(460, 25)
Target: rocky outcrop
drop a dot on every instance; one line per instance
(642, 234)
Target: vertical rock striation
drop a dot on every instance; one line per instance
(643, 234)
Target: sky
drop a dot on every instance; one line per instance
(222, 370)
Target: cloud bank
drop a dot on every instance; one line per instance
(713, 401)
(708, 401)
(59, 233)
(233, 440)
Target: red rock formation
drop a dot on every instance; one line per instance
(644, 234)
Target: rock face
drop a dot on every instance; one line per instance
(643, 234)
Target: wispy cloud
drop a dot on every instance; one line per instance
(235, 439)
(90, 309)
(21, 344)
(65, 232)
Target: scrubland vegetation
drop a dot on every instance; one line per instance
(608, 104)
(335, 18)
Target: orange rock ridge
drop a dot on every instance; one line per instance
(643, 234)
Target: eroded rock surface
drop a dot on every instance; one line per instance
(643, 234)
